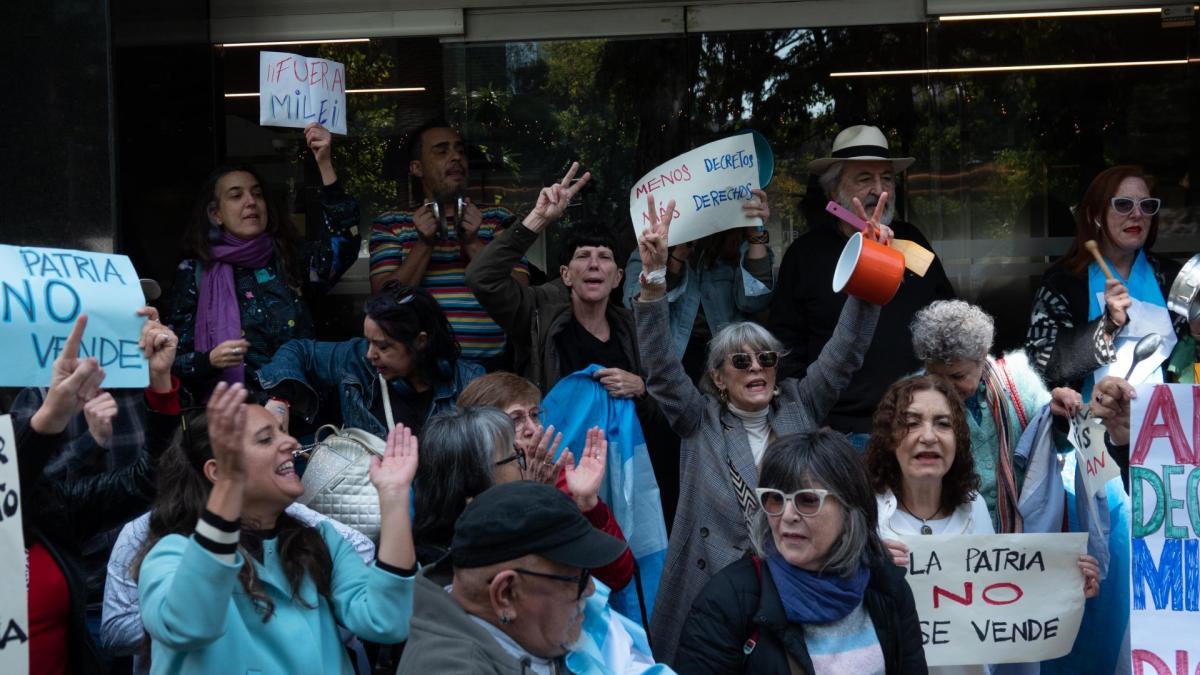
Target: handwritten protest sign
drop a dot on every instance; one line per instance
(709, 186)
(996, 598)
(43, 291)
(1165, 484)
(14, 608)
(295, 90)
(1096, 465)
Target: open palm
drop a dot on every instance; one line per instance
(584, 479)
(394, 472)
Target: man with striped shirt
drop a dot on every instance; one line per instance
(431, 246)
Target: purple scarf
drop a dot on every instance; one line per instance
(218, 317)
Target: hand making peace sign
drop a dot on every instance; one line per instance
(553, 200)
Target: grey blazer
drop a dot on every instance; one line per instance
(710, 529)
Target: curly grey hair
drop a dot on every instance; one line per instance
(733, 338)
(952, 330)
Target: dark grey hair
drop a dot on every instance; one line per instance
(824, 459)
(830, 177)
(733, 338)
(459, 451)
(952, 330)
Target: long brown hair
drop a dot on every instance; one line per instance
(183, 491)
(197, 242)
(960, 483)
(1093, 209)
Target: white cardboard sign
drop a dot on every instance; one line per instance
(14, 607)
(996, 598)
(709, 186)
(1096, 465)
(294, 91)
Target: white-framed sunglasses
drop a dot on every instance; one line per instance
(806, 501)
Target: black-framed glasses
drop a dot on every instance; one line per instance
(518, 456)
(1124, 205)
(743, 361)
(806, 501)
(581, 579)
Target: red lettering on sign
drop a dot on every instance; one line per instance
(1162, 403)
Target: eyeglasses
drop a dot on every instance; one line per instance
(743, 361)
(582, 579)
(807, 502)
(518, 456)
(533, 416)
(1124, 205)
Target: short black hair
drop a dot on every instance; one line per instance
(586, 234)
(414, 138)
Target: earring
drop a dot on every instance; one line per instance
(1096, 222)
(504, 619)
(724, 395)
(775, 392)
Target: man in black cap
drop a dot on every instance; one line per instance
(519, 571)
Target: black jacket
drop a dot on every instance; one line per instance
(805, 310)
(62, 514)
(736, 601)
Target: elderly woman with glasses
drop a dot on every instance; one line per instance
(725, 429)
(819, 594)
(1083, 326)
(920, 464)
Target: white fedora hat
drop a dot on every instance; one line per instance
(860, 142)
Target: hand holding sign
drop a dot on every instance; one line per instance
(158, 343)
(552, 202)
(74, 382)
(758, 207)
(320, 142)
(1111, 399)
(875, 229)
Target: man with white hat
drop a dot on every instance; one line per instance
(805, 309)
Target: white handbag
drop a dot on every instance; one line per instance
(337, 481)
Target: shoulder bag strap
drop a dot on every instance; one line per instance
(387, 407)
(1012, 390)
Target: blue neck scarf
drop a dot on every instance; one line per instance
(1141, 284)
(816, 598)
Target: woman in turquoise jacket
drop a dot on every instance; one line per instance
(232, 584)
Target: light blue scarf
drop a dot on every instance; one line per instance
(1141, 284)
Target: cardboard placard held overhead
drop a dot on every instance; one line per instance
(295, 91)
(709, 186)
(14, 603)
(43, 291)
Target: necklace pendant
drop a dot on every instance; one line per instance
(925, 529)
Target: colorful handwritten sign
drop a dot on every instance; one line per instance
(1165, 483)
(1096, 466)
(709, 186)
(43, 291)
(14, 608)
(294, 91)
(996, 598)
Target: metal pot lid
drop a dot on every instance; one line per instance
(1185, 288)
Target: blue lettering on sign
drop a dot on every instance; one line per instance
(124, 354)
(75, 302)
(25, 301)
(734, 193)
(733, 160)
(1166, 580)
(70, 265)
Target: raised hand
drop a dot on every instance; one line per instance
(584, 479)
(620, 383)
(652, 245)
(320, 141)
(1065, 402)
(73, 382)
(875, 229)
(469, 221)
(1117, 301)
(553, 200)
(158, 343)
(1110, 402)
(426, 224)
(226, 415)
(759, 207)
(539, 463)
(100, 413)
(392, 475)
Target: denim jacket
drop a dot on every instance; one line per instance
(728, 294)
(311, 367)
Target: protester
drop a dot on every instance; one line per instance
(804, 306)
(235, 596)
(722, 278)
(407, 344)
(468, 452)
(242, 290)
(516, 397)
(59, 514)
(510, 597)
(920, 463)
(726, 428)
(819, 594)
(952, 338)
(1080, 321)
(430, 246)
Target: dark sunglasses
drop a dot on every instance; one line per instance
(582, 579)
(518, 456)
(1124, 205)
(743, 361)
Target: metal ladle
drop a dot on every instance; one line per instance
(1143, 350)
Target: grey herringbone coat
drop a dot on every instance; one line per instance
(710, 529)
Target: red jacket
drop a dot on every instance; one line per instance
(617, 573)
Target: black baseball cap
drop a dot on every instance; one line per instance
(508, 521)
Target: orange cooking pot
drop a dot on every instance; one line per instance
(869, 270)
